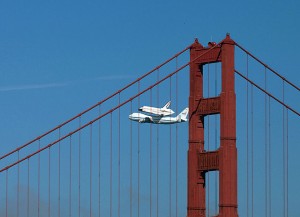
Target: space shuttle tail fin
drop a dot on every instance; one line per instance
(167, 105)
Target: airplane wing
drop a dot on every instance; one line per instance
(157, 113)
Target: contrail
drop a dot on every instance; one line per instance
(31, 86)
(62, 84)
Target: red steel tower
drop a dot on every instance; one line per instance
(225, 158)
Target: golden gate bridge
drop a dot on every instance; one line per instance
(237, 155)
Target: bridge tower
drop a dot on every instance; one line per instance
(224, 159)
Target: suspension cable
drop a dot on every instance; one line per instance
(49, 180)
(176, 151)
(170, 158)
(58, 171)
(110, 165)
(99, 163)
(265, 65)
(266, 145)
(97, 104)
(247, 140)
(91, 166)
(283, 151)
(270, 172)
(18, 187)
(150, 158)
(79, 164)
(270, 95)
(39, 179)
(70, 179)
(110, 111)
(131, 141)
(252, 154)
(6, 192)
(138, 172)
(287, 163)
(28, 184)
(157, 151)
(119, 157)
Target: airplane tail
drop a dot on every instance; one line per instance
(182, 117)
(167, 105)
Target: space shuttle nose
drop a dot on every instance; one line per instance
(141, 109)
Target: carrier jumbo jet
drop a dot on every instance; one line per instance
(142, 118)
(164, 111)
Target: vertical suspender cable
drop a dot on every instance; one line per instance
(252, 153)
(150, 161)
(59, 173)
(119, 158)
(266, 147)
(91, 167)
(157, 153)
(247, 144)
(18, 190)
(49, 181)
(287, 162)
(170, 159)
(99, 164)
(6, 192)
(39, 178)
(79, 163)
(110, 164)
(70, 180)
(176, 152)
(131, 161)
(139, 83)
(28, 183)
(269, 153)
(283, 151)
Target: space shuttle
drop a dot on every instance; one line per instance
(142, 118)
(164, 111)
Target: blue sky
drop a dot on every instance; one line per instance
(60, 57)
(56, 50)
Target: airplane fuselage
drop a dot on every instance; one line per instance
(142, 118)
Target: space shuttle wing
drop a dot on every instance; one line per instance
(156, 111)
(151, 111)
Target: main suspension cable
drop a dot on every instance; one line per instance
(265, 65)
(97, 104)
(270, 95)
(110, 111)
